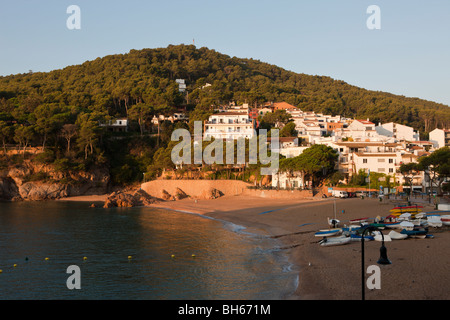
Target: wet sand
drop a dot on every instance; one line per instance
(419, 268)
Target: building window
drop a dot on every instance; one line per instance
(380, 160)
(364, 160)
(391, 160)
(391, 170)
(380, 169)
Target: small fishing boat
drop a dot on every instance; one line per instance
(392, 225)
(394, 235)
(445, 220)
(379, 237)
(377, 225)
(358, 237)
(434, 221)
(327, 233)
(335, 241)
(360, 220)
(419, 222)
(333, 222)
(407, 225)
(404, 216)
(415, 233)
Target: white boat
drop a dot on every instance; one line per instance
(420, 215)
(394, 235)
(406, 225)
(359, 220)
(419, 222)
(379, 237)
(434, 221)
(335, 241)
(405, 216)
(393, 225)
(327, 233)
(445, 220)
(333, 222)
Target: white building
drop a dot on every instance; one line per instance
(360, 130)
(229, 125)
(284, 180)
(173, 118)
(440, 137)
(117, 125)
(397, 131)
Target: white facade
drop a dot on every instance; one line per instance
(229, 125)
(117, 125)
(397, 131)
(440, 137)
(386, 163)
(283, 180)
(360, 130)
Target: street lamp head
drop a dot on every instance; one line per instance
(383, 255)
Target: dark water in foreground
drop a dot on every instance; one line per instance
(228, 263)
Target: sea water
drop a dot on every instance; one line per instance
(134, 253)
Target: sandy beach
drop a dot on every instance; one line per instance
(419, 268)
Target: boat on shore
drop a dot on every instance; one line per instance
(335, 241)
(327, 233)
(416, 232)
(445, 220)
(358, 237)
(359, 220)
(434, 221)
(394, 235)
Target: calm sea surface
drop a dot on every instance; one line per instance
(228, 263)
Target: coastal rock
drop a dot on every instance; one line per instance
(30, 181)
(212, 193)
(124, 199)
(42, 191)
(166, 196)
(119, 199)
(180, 194)
(8, 189)
(143, 198)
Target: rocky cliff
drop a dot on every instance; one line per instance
(31, 181)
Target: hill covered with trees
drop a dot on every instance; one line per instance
(61, 110)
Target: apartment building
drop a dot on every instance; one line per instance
(397, 131)
(440, 137)
(229, 125)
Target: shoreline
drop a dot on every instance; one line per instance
(418, 270)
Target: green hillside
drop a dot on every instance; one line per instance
(60, 110)
(114, 83)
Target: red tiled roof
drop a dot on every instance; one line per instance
(283, 105)
(365, 122)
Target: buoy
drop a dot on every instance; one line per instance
(47, 259)
(129, 257)
(193, 255)
(26, 258)
(15, 265)
(84, 258)
(173, 256)
(1, 270)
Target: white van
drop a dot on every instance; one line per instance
(340, 194)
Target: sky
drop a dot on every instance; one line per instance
(408, 55)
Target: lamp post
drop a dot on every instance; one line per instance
(383, 257)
